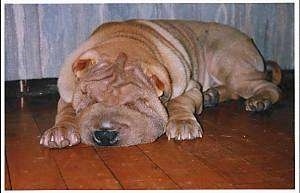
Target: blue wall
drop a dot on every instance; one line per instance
(38, 37)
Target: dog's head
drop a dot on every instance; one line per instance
(116, 103)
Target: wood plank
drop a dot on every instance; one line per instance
(183, 167)
(7, 178)
(270, 131)
(30, 165)
(82, 168)
(271, 161)
(248, 147)
(286, 177)
(258, 185)
(237, 140)
(233, 166)
(224, 161)
(134, 170)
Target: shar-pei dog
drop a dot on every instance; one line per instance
(132, 81)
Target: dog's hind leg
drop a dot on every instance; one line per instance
(264, 94)
(260, 94)
(65, 130)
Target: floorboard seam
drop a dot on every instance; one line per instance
(109, 169)
(59, 171)
(159, 167)
(206, 163)
(7, 168)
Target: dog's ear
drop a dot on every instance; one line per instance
(80, 67)
(84, 63)
(74, 66)
(158, 85)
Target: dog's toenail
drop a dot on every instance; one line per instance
(65, 143)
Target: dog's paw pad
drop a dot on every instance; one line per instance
(257, 104)
(60, 137)
(211, 97)
(183, 129)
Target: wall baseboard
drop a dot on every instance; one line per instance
(32, 87)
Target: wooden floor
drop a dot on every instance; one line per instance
(239, 150)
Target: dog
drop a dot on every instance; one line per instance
(132, 81)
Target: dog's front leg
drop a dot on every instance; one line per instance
(65, 130)
(182, 123)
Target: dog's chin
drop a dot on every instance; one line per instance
(102, 125)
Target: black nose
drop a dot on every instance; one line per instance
(105, 137)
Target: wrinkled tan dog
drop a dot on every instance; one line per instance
(132, 81)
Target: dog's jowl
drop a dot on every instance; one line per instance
(130, 82)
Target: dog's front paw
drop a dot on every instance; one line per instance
(60, 136)
(181, 129)
(257, 103)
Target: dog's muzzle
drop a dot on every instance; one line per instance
(105, 137)
(102, 125)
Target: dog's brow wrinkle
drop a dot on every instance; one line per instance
(120, 85)
(105, 67)
(99, 79)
